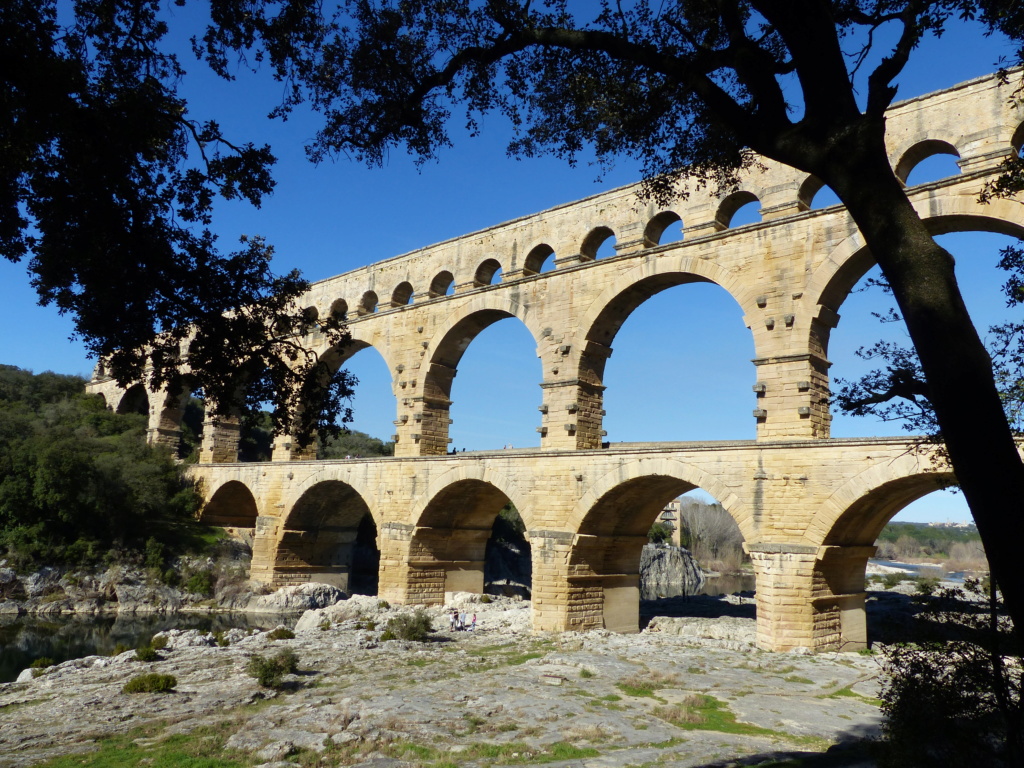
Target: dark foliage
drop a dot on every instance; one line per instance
(107, 188)
(151, 683)
(355, 444)
(78, 482)
(270, 672)
(415, 626)
(954, 698)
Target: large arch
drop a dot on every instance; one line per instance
(231, 505)
(134, 400)
(448, 548)
(450, 342)
(613, 520)
(329, 536)
(609, 311)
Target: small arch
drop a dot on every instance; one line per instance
(310, 315)
(134, 400)
(1017, 140)
(594, 244)
(918, 154)
(488, 273)
(442, 285)
(330, 536)
(814, 193)
(731, 205)
(231, 506)
(339, 309)
(367, 304)
(539, 259)
(402, 295)
(657, 227)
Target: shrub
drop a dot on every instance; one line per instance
(325, 625)
(926, 585)
(159, 642)
(408, 626)
(41, 663)
(281, 633)
(119, 649)
(221, 639)
(151, 683)
(891, 580)
(659, 534)
(146, 653)
(485, 599)
(270, 672)
(200, 583)
(383, 604)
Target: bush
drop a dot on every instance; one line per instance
(119, 649)
(891, 580)
(485, 599)
(41, 663)
(270, 672)
(151, 683)
(926, 585)
(281, 633)
(200, 583)
(159, 642)
(383, 604)
(146, 653)
(955, 697)
(408, 626)
(221, 639)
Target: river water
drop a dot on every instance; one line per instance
(26, 638)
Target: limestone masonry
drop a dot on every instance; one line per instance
(809, 507)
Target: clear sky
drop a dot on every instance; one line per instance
(328, 219)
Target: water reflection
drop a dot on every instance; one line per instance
(26, 638)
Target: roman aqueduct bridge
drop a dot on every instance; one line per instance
(809, 506)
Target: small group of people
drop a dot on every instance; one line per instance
(460, 621)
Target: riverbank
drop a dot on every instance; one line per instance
(686, 691)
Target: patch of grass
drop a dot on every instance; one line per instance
(418, 662)
(564, 751)
(848, 692)
(586, 673)
(522, 658)
(641, 686)
(611, 697)
(675, 741)
(151, 683)
(798, 679)
(696, 671)
(202, 748)
(700, 712)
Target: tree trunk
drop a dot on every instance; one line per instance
(958, 369)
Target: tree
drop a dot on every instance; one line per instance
(689, 87)
(107, 187)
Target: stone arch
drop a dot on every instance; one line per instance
(443, 355)
(657, 225)
(614, 517)
(913, 155)
(367, 304)
(449, 541)
(536, 258)
(339, 309)
(402, 295)
(486, 272)
(231, 505)
(593, 242)
(329, 536)
(606, 314)
(810, 187)
(134, 400)
(441, 284)
(837, 275)
(729, 205)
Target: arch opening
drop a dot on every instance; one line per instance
(541, 258)
(134, 400)
(373, 404)
(402, 295)
(928, 160)
(598, 244)
(488, 273)
(469, 538)
(814, 194)
(367, 304)
(339, 310)
(738, 209)
(665, 227)
(974, 242)
(232, 506)
(495, 395)
(330, 537)
(664, 382)
(442, 285)
(615, 564)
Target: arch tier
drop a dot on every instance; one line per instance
(803, 508)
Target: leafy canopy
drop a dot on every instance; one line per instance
(107, 189)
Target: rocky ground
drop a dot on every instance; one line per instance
(687, 691)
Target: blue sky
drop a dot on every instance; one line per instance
(338, 216)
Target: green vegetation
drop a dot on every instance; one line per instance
(281, 633)
(78, 484)
(139, 747)
(959, 548)
(146, 653)
(270, 672)
(353, 443)
(151, 683)
(414, 626)
(700, 712)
